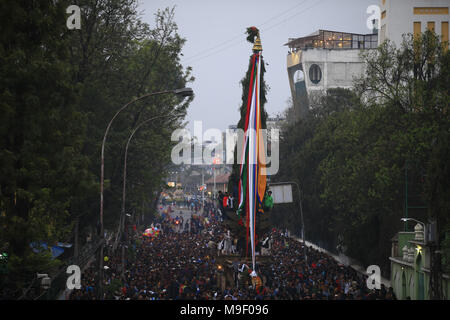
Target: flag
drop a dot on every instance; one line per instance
(252, 183)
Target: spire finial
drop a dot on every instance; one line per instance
(253, 37)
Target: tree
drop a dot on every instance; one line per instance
(59, 88)
(414, 80)
(42, 168)
(351, 152)
(115, 58)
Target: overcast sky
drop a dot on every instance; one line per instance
(217, 50)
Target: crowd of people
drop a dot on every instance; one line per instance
(182, 263)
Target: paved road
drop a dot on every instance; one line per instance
(185, 213)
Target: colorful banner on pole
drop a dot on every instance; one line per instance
(252, 183)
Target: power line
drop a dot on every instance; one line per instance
(288, 10)
(215, 52)
(202, 56)
(216, 49)
(294, 15)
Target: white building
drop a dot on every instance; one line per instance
(330, 59)
(399, 17)
(322, 60)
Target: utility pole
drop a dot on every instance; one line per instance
(406, 194)
(184, 92)
(214, 173)
(203, 189)
(436, 258)
(76, 244)
(300, 207)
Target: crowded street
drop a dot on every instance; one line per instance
(181, 264)
(217, 151)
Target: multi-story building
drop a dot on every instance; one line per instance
(329, 59)
(400, 17)
(217, 183)
(275, 122)
(322, 60)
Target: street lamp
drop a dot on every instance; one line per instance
(125, 179)
(423, 225)
(301, 209)
(184, 92)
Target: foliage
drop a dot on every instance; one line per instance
(59, 89)
(252, 33)
(353, 153)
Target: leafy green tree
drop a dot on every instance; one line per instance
(41, 135)
(116, 58)
(59, 89)
(353, 151)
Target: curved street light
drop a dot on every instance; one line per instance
(419, 222)
(301, 209)
(125, 178)
(184, 92)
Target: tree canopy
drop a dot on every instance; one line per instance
(59, 90)
(354, 153)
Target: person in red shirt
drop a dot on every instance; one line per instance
(225, 201)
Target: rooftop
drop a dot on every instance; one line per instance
(223, 178)
(327, 39)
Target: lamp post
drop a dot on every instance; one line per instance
(203, 189)
(301, 209)
(125, 180)
(182, 92)
(423, 225)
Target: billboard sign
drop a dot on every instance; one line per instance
(282, 193)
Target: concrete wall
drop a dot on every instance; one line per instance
(338, 69)
(341, 258)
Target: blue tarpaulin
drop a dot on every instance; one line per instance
(56, 251)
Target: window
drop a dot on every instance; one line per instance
(347, 44)
(417, 28)
(355, 43)
(430, 26)
(444, 30)
(430, 10)
(315, 74)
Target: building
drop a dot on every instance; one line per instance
(322, 60)
(276, 122)
(411, 265)
(217, 183)
(400, 17)
(329, 59)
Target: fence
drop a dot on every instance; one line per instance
(58, 288)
